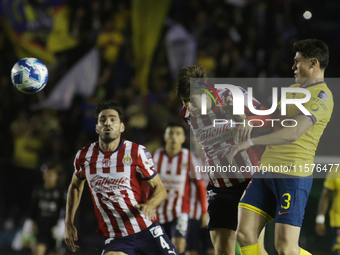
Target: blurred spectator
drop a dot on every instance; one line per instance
(201, 24)
(206, 60)
(122, 16)
(46, 216)
(27, 142)
(87, 109)
(109, 42)
(181, 47)
(330, 195)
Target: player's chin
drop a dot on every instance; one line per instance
(107, 138)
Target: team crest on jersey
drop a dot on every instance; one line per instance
(127, 160)
(106, 162)
(314, 107)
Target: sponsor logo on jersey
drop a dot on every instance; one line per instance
(323, 95)
(100, 183)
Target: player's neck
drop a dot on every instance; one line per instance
(172, 150)
(112, 146)
(314, 79)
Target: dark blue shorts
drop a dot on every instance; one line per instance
(150, 241)
(177, 227)
(280, 196)
(198, 238)
(336, 239)
(223, 203)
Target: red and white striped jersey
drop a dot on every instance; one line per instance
(216, 140)
(115, 181)
(195, 201)
(175, 175)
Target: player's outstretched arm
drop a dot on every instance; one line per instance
(75, 191)
(325, 198)
(283, 136)
(244, 131)
(157, 197)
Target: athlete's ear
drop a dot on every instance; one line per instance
(166, 134)
(183, 139)
(314, 62)
(122, 127)
(97, 129)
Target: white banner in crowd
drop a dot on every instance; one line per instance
(81, 80)
(181, 47)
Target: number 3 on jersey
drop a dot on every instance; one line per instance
(288, 196)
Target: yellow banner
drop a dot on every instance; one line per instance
(148, 18)
(30, 36)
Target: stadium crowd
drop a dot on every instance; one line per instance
(231, 38)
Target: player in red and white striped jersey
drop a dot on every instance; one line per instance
(216, 140)
(114, 169)
(196, 203)
(198, 239)
(226, 186)
(175, 166)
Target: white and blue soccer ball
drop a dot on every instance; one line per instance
(29, 75)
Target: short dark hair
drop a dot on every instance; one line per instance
(183, 78)
(175, 124)
(50, 164)
(313, 48)
(104, 105)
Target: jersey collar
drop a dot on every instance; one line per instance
(313, 84)
(110, 152)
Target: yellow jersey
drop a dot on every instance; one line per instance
(332, 183)
(296, 158)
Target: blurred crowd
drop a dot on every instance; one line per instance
(231, 38)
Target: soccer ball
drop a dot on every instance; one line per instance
(29, 75)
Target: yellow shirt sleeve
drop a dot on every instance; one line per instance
(330, 183)
(319, 105)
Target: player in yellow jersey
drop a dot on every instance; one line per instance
(331, 189)
(283, 193)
